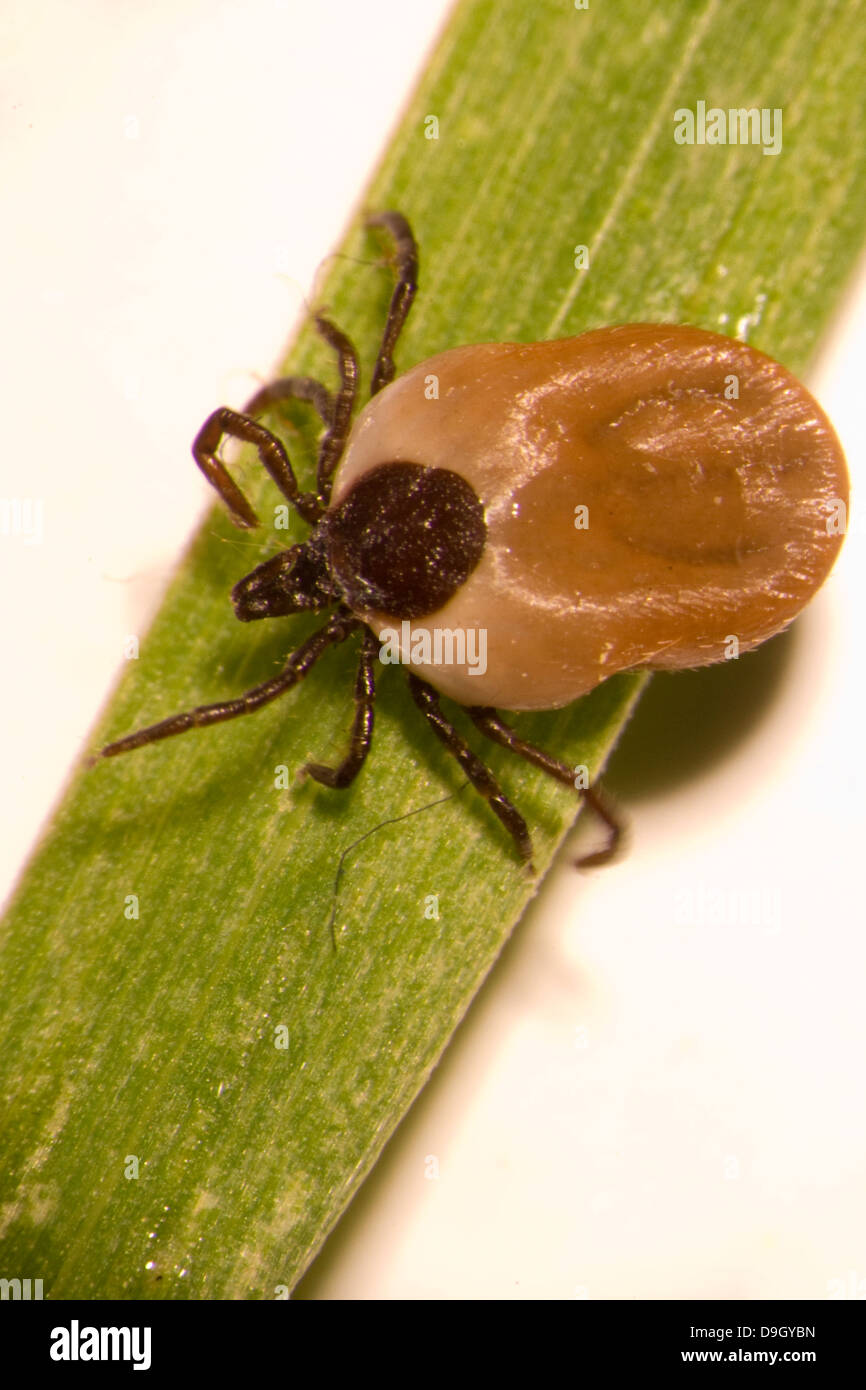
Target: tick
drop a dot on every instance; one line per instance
(636, 497)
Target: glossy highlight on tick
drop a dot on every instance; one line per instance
(711, 489)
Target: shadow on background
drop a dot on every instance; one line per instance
(687, 721)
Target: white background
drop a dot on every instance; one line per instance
(658, 1093)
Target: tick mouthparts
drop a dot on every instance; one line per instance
(290, 582)
(267, 591)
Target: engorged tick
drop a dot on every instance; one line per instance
(630, 498)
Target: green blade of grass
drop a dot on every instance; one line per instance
(173, 1005)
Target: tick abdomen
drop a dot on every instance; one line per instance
(649, 492)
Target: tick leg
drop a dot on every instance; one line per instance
(335, 411)
(337, 629)
(362, 728)
(406, 250)
(296, 388)
(593, 797)
(272, 454)
(485, 718)
(479, 775)
(334, 441)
